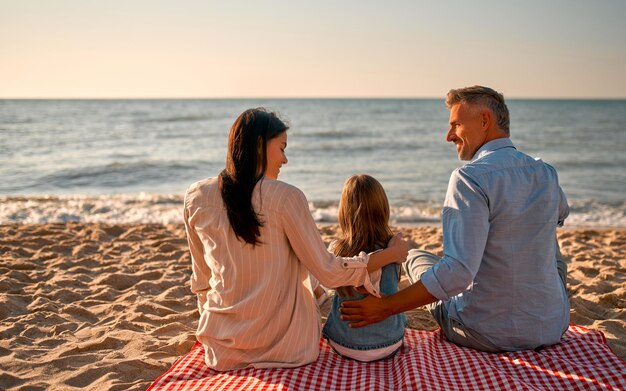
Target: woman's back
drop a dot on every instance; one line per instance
(259, 311)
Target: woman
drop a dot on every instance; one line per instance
(253, 243)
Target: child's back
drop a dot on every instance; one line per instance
(364, 220)
(372, 342)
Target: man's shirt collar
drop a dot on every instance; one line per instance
(493, 145)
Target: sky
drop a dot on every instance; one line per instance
(321, 49)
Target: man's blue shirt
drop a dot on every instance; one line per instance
(498, 275)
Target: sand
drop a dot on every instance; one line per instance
(109, 307)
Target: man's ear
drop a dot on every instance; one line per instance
(485, 118)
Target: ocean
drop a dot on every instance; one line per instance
(130, 161)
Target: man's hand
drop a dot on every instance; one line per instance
(363, 312)
(372, 309)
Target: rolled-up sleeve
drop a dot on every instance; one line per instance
(307, 244)
(466, 226)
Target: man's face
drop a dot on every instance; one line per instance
(466, 130)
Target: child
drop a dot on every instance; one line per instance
(364, 221)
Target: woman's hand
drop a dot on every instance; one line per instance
(396, 252)
(400, 248)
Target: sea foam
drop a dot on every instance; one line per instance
(145, 208)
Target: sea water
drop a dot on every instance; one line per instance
(130, 161)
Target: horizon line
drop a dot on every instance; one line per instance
(306, 98)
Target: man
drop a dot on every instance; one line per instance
(500, 285)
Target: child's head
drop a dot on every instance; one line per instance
(363, 215)
(364, 219)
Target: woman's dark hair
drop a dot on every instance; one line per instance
(246, 162)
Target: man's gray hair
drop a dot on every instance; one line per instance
(482, 96)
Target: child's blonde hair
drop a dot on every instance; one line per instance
(364, 219)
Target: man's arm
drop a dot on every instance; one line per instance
(465, 231)
(372, 309)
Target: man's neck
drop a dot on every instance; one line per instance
(494, 134)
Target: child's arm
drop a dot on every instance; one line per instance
(396, 251)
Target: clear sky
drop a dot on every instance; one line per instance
(338, 48)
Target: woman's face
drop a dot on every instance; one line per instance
(276, 155)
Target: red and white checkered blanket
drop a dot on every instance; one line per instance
(582, 361)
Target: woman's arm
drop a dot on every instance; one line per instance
(201, 273)
(331, 271)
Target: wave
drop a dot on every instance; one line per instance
(167, 209)
(112, 209)
(122, 174)
(181, 118)
(589, 212)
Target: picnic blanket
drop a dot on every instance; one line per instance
(582, 361)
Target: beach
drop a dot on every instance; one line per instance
(101, 306)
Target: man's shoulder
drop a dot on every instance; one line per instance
(479, 167)
(500, 159)
(503, 165)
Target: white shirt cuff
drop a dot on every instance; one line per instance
(372, 281)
